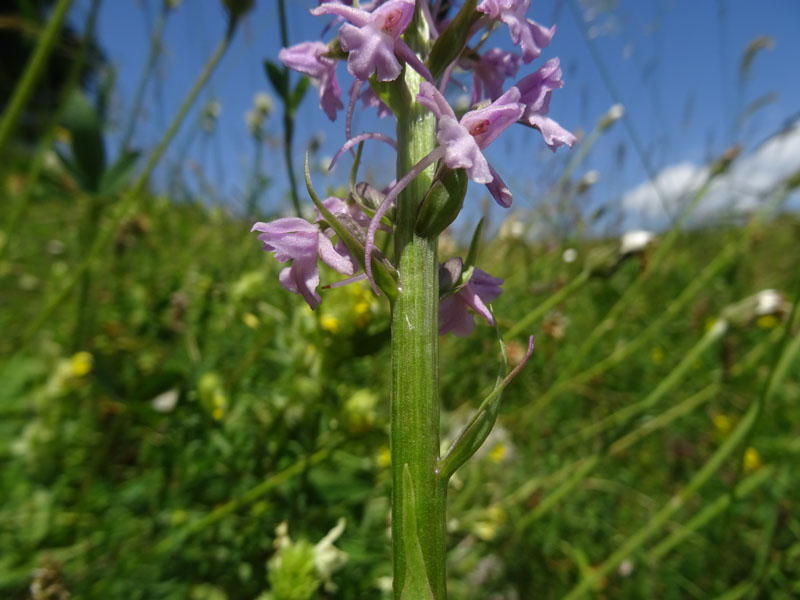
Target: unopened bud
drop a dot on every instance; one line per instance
(603, 261)
(613, 115)
(442, 203)
(210, 114)
(724, 161)
(569, 255)
(587, 181)
(634, 242)
(238, 8)
(262, 102)
(765, 302)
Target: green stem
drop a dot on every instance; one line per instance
(33, 70)
(415, 360)
(740, 433)
(128, 202)
(708, 513)
(662, 421)
(150, 63)
(288, 115)
(666, 385)
(565, 292)
(50, 130)
(725, 257)
(246, 499)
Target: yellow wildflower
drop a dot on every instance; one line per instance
(657, 354)
(384, 457)
(329, 323)
(250, 320)
(767, 321)
(722, 423)
(81, 364)
(752, 460)
(498, 453)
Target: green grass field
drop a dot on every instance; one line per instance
(179, 405)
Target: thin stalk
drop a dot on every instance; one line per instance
(288, 115)
(553, 499)
(256, 183)
(778, 489)
(33, 71)
(128, 202)
(558, 191)
(736, 592)
(247, 498)
(83, 310)
(789, 352)
(415, 361)
(149, 66)
(554, 300)
(626, 413)
(723, 259)
(709, 512)
(51, 129)
(608, 80)
(586, 464)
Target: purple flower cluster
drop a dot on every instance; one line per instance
(370, 35)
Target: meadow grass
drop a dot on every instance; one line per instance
(171, 416)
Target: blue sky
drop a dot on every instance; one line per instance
(674, 63)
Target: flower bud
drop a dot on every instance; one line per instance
(613, 115)
(635, 242)
(723, 162)
(238, 8)
(442, 203)
(765, 302)
(587, 181)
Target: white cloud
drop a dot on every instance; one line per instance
(741, 189)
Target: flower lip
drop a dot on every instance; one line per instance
(392, 22)
(479, 128)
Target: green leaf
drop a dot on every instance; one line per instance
(472, 255)
(442, 203)
(477, 430)
(117, 175)
(453, 39)
(298, 93)
(415, 584)
(86, 135)
(385, 274)
(279, 79)
(393, 93)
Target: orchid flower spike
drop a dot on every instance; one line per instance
(372, 39)
(309, 58)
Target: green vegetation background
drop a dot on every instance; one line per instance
(180, 426)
